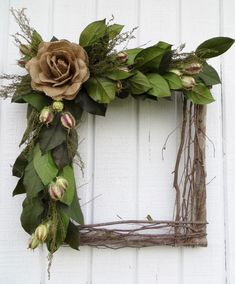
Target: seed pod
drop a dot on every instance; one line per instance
(58, 106)
(46, 115)
(56, 193)
(122, 57)
(188, 82)
(67, 120)
(192, 68)
(41, 232)
(33, 242)
(62, 183)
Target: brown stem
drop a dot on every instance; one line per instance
(178, 158)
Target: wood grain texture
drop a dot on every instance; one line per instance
(125, 176)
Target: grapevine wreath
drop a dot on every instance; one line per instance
(65, 79)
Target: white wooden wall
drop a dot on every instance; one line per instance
(124, 172)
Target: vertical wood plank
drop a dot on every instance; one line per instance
(228, 65)
(159, 20)
(70, 266)
(200, 21)
(115, 164)
(15, 259)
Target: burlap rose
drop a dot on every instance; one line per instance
(59, 69)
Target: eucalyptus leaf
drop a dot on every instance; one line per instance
(101, 90)
(31, 215)
(32, 183)
(44, 165)
(209, 75)
(200, 95)
(114, 30)
(214, 47)
(139, 83)
(173, 81)
(68, 174)
(159, 85)
(73, 236)
(19, 189)
(92, 33)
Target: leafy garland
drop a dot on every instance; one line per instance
(66, 79)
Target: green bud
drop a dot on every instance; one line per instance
(58, 106)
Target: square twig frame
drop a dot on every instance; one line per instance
(189, 225)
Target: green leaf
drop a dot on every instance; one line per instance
(32, 214)
(101, 90)
(92, 33)
(44, 166)
(200, 95)
(19, 165)
(87, 104)
(209, 75)
(19, 189)
(139, 83)
(63, 154)
(114, 30)
(159, 86)
(74, 210)
(32, 117)
(25, 93)
(68, 174)
(73, 236)
(214, 47)
(31, 181)
(163, 45)
(118, 75)
(173, 81)
(149, 58)
(52, 136)
(37, 100)
(132, 54)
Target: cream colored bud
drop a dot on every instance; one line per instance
(188, 82)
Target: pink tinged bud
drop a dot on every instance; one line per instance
(41, 232)
(62, 183)
(122, 57)
(175, 71)
(67, 120)
(58, 106)
(33, 242)
(56, 193)
(46, 115)
(188, 82)
(193, 68)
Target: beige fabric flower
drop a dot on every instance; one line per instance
(59, 69)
